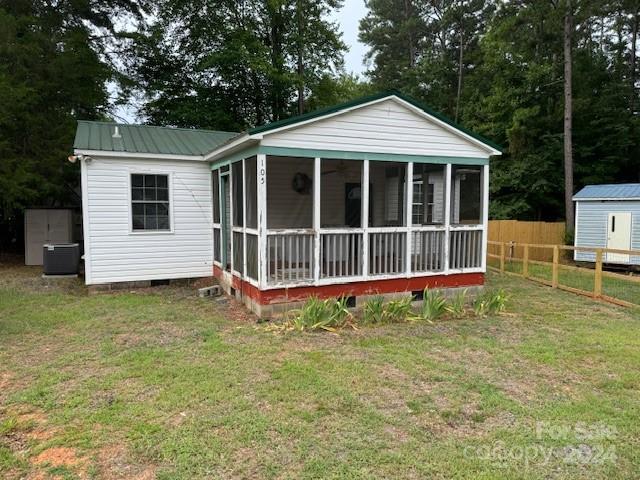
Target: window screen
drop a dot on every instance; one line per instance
(236, 173)
(150, 202)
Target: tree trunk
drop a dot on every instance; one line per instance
(568, 119)
(410, 40)
(300, 62)
(632, 67)
(460, 70)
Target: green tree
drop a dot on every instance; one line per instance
(230, 65)
(53, 70)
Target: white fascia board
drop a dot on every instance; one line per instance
(149, 156)
(607, 199)
(229, 147)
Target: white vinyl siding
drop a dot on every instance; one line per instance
(115, 253)
(592, 221)
(384, 127)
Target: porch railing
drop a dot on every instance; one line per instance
(387, 253)
(427, 251)
(465, 248)
(290, 257)
(340, 255)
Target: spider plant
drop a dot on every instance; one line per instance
(318, 314)
(433, 305)
(398, 310)
(490, 302)
(374, 310)
(456, 305)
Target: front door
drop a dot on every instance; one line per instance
(619, 236)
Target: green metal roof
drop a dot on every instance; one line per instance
(359, 101)
(147, 139)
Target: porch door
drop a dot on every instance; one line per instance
(619, 236)
(225, 206)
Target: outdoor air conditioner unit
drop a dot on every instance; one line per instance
(61, 259)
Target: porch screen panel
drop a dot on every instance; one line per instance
(236, 173)
(428, 194)
(466, 195)
(238, 258)
(387, 193)
(251, 184)
(216, 195)
(289, 192)
(252, 256)
(216, 244)
(341, 193)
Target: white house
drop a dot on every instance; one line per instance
(318, 204)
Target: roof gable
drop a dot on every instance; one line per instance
(145, 139)
(426, 112)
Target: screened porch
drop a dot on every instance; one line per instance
(282, 221)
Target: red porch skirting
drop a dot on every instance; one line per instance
(368, 287)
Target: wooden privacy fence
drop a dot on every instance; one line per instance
(516, 231)
(564, 273)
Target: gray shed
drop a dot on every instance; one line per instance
(608, 216)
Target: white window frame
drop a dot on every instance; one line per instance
(140, 171)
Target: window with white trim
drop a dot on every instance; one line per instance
(149, 202)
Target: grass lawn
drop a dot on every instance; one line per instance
(159, 384)
(583, 279)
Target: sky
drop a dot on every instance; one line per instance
(348, 17)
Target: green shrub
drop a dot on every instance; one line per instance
(318, 314)
(398, 310)
(490, 302)
(456, 305)
(433, 305)
(374, 310)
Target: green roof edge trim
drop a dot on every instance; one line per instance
(370, 98)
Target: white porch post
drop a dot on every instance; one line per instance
(231, 209)
(447, 216)
(262, 219)
(364, 190)
(408, 216)
(485, 215)
(244, 219)
(317, 174)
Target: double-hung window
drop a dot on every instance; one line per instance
(150, 202)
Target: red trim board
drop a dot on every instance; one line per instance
(368, 287)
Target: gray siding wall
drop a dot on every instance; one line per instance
(592, 223)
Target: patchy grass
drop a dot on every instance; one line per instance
(583, 279)
(157, 383)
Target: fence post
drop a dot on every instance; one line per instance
(525, 261)
(501, 257)
(554, 274)
(597, 284)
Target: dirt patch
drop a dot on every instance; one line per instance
(113, 463)
(60, 457)
(5, 381)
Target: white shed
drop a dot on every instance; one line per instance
(608, 216)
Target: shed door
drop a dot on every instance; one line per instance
(619, 236)
(59, 224)
(35, 236)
